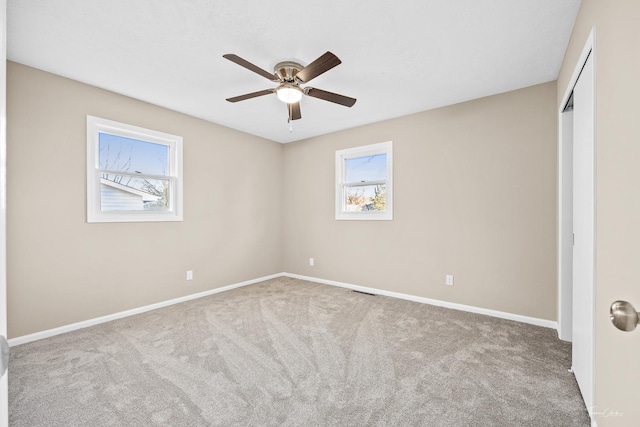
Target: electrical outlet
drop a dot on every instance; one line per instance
(189, 274)
(311, 262)
(448, 280)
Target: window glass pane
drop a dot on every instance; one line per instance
(365, 198)
(118, 153)
(132, 193)
(364, 169)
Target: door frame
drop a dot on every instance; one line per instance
(4, 381)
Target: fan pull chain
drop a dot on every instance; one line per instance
(290, 125)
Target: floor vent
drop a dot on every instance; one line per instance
(366, 293)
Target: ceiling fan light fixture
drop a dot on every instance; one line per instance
(289, 76)
(289, 93)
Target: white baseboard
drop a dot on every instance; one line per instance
(91, 322)
(478, 310)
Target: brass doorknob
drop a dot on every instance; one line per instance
(624, 316)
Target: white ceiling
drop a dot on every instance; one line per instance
(398, 57)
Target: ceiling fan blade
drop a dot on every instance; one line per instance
(250, 95)
(317, 67)
(294, 111)
(330, 96)
(249, 66)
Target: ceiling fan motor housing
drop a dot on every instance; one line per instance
(287, 70)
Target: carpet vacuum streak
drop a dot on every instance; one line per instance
(287, 352)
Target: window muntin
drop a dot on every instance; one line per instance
(363, 182)
(133, 174)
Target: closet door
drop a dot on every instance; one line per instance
(584, 233)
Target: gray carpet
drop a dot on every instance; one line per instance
(291, 353)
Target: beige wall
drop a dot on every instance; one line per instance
(62, 270)
(474, 196)
(617, 372)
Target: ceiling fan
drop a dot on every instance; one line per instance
(290, 75)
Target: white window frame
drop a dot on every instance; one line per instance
(97, 125)
(341, 185)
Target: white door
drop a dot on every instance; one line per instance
(4, 407)
(584, 232)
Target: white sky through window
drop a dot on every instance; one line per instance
(364, 169)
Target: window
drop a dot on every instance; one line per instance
(133, 174)
(363, 182)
